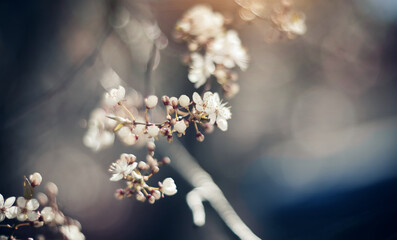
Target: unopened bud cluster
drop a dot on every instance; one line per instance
(214, 51)
(27, 210)
(137, 174)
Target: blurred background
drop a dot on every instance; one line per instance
(311, 149)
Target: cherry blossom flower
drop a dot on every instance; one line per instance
(27, 209)
(6, 208)
(200, 22)
(72, 232)
(121, 168)
(292, 22)
(212, 105)
(228, 51)
(201, 68)
(114, 96)
(47, 214)
(168, 187)
(99, 134)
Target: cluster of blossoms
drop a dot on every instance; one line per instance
(282, 17)
(100, 132)
(27, 212)
(122, 117)
(214, 51)
(136, 174)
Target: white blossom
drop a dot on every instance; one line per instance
(6, 208)
(114, 96)
(293, 22)
(201, 68)
(227, 50)
(217, 111)
(127, 136)
(180, 126)
(121, 168)
(168, 187)
(201, 22)
(72, 232)
(99, 134)
(27, 209)
(184, 101)
(48, 214)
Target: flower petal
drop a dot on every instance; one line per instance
(8, 203)
(116, 177)
(32, 204)
(2, 217)
(33, 216)
(222, 124)
(21, 202)
(12, 212)
(197, 98)
(1, 201)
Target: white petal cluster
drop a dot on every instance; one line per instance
(6, 208)
(201, 68)
(227, 50)
(114, 96)
(293, 22)
(214, 51)
(168, 187)
(122, 167)
(27, 209)
(72, 232)
(217, 111)
(99, 134)
(47, 214)
(200, 23)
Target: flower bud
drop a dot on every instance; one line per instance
(142, 165)
(151, 146)
(52, 188)
(200, 137)
(153, 130)
(140, 197)
(35, 179)
(119, 194)
(166, 160)
(151, 199)
(180, 126)
(174, 102)
(184, 101)
(155, 169)
(151, 101)
(165, 100)
(156, 194)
